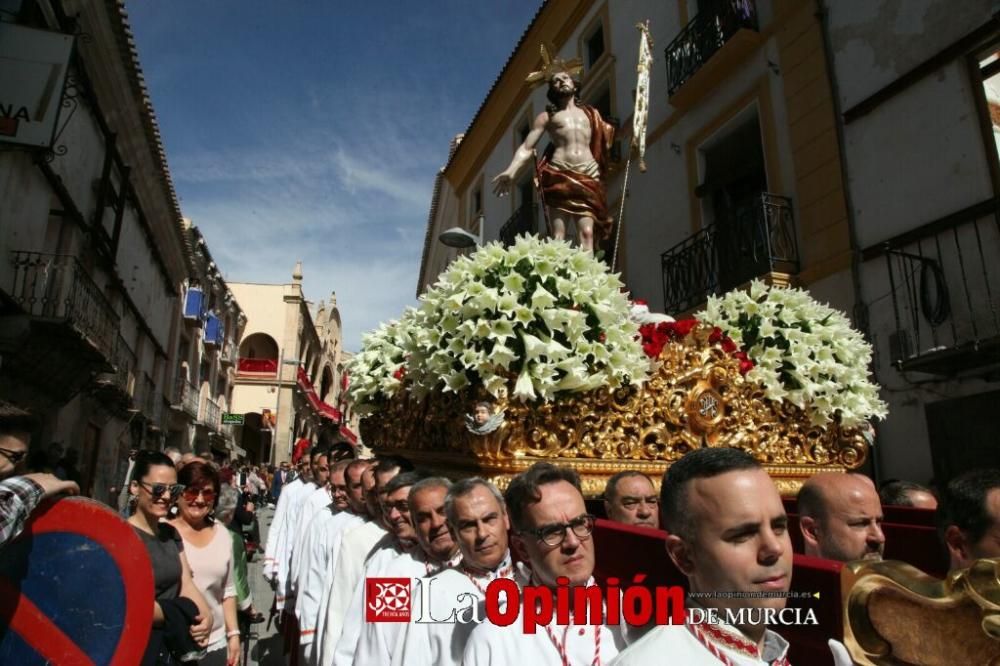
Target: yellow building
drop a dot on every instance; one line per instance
(845, 147)
(289, 374)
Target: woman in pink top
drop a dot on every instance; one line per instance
(209, 550)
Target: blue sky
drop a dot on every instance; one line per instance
(312, 130)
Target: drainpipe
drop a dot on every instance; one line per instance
(860, 307)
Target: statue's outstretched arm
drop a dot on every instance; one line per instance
(522, 156)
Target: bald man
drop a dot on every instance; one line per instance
(840, 516)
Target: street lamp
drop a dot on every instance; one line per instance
(460, 238)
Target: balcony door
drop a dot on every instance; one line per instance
(735, 180)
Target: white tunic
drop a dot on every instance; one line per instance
(450, 593)
(312, 504)
(284, 550)
(355, 547)
(330, 633)
(493, 645)
(319, 554)
(378, 639)
(277, 525)
(683, 647)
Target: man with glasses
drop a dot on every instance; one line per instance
(339, 644)
(552, 534)
(19, 495)
(630, 498)
(356, 547)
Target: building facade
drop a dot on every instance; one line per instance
(920, 115)
(208, 342)
(289, 382)
(753, 164)
(92, 254)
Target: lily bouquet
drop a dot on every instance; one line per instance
(377, 372)
(802, 351)
(534, 320)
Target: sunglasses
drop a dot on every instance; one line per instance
(13, 456)
(191, 494)
(157, 490)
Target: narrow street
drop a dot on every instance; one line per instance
(265, 639)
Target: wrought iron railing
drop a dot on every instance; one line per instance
(703, 36)
(755, 240)
(945, 288)
(523, 221)
(211, 415)
(55, 286)
(124, 361)
(185, 396)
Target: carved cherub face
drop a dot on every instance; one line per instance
(482, 413)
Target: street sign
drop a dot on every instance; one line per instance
(232, 419)
(76, 587)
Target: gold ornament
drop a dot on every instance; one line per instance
(551, 67)
(695, 397)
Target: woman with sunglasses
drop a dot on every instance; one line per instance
(210, 551)
(154, 485)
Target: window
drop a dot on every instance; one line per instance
(989, 70)
(477, 202)
(594, 44)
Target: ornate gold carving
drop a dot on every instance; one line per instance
(895, 613)
(696, 397)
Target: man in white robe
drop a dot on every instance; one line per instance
(728, 532)
(478, 522)
(313, 555)
(356, 546)
(283, 554)
(270, 569)
(313, 503)
(552, 533)
(340, 645)
(437, 551)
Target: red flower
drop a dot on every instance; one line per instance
(677, 329)
(715, 336)
(602, 337)
(746, 366)
(640, 301)
(400, 373)
(728, 345)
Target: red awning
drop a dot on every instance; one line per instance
(322, 408)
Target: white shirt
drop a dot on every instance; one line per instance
(493, 645)
(312, 505)
(340, 649)
(684, 647)
(378, 639)
(451, 591)
(284, 550)
(319, 554)
(343, 640)
(356, 545)
(277, 525)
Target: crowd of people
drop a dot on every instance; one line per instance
(340, 522)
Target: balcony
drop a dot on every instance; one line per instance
(210, 415)
(754, 242)
(713, 43)
(257, 368)
(523, 221)
(194, 301)
(945, 287)
(115, 389)
(65, 331)
(185, 397)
